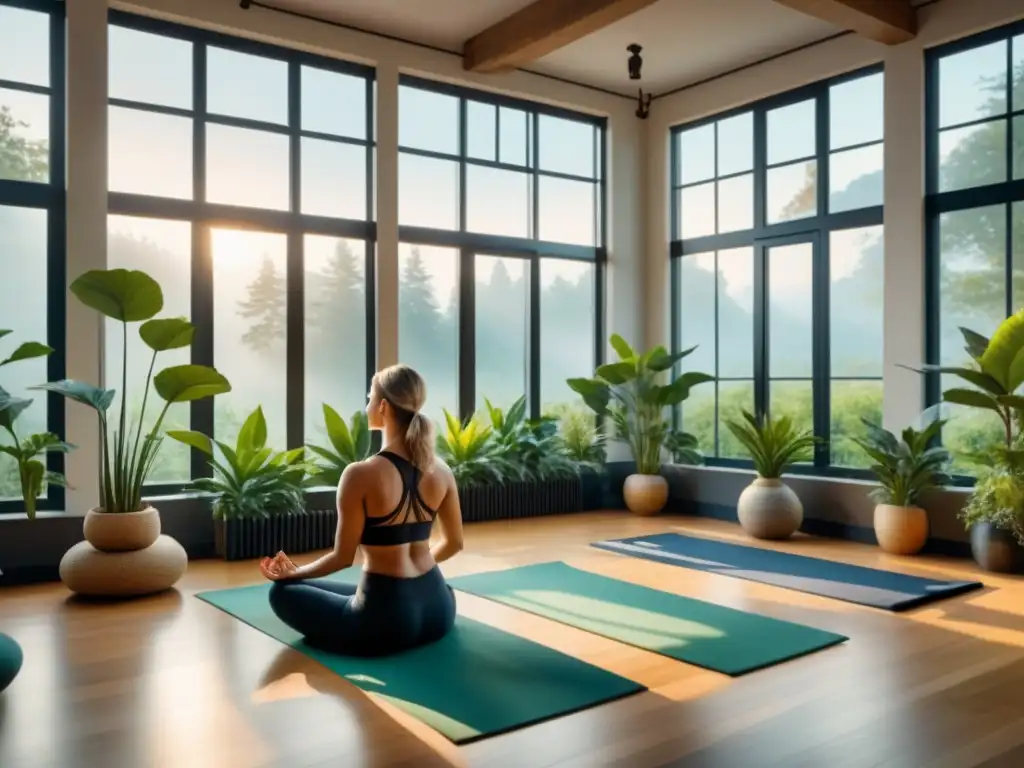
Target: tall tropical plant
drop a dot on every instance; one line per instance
(349, 443)
(637, 393)
(906, 466)
(773, 443)
(27, 451)
(131, 296)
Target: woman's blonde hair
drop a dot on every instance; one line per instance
(406, 392)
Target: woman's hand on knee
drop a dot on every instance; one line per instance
(278, 568)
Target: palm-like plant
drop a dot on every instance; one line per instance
(250, 479)
(350, 443)
(773, 443)
(906, 467)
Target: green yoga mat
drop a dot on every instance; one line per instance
(476, 682)
(710, 636)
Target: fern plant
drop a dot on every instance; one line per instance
(350, 443)
(906, 467)
(583, 440)
(773, 444)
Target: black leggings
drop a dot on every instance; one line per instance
(385, 615)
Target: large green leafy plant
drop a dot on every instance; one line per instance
(532, 448)
(250, 479)
(349, 443)
(131, 296)
(637, 394)
(773, 443)
(27, 450)
(471, 452)
(907, 466)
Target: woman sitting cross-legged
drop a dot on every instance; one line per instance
(386, 504)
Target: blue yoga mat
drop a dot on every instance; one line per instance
(842, 581)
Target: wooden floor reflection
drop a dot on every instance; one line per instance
(171, 682)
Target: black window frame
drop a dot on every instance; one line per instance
(532, 249)
(294, 224)
(814, 229)
(51, 197)
(937, 203)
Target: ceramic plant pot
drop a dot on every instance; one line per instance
(901, 530)
(645, 494)
(126, 532)
(996, 549)
(769, 509)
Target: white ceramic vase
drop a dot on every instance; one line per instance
(769, 509)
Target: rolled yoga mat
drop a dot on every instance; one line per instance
(706, 635)
(852, 583)
(477, 681)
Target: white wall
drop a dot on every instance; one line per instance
(904, 169)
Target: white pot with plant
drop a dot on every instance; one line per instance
(638, 394)
(906, 468)
(768, 508)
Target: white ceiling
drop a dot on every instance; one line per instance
(684, 41)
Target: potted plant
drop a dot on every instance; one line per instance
(349, 443)
(768, 508)
(258, 499)
(994, 512)
(906, 468)
(122, 520)
(638, 394)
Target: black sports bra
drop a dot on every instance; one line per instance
(415, 524)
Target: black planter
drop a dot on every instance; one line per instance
(996, 549)
(293, 532)
(512, 501)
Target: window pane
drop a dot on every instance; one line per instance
(514, 137)
(792, 192)
(246, 86)
(736, 313)
(972, 84)
(333, 179)
(972, 156)
(502, 330)
(428, 192)
(566, 211)
(428, 120)
(857, 111)
(333, 103)
(698, 417)
(855, 178)
(734, 397)
(856, 266)
(967, 430)
(736, 144)
(697, 311)
(335, 330)
(852, 401)
(697, 211)
(1018, 73)
(1018, 254)
(246, 167)
(481, 130)
(132, 164)
(566, 146)
(497, 201)
(163, 250)
(24, 46)
(428, 322)
(24, 136)
(250, 309)
(1018, 143)
(566, 329)
(23, 248)
(972, 276)
(696, 152)
(790, 310)
(791, 132)
(149, 68)
(736, 203)
(793, 399)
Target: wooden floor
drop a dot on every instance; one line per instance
(171, 682)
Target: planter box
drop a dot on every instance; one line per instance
(595, 489)
(294, 532)
(525, 499)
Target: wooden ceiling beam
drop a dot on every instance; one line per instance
(885, 21)
(540, 28)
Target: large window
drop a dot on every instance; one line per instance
(255, 215)
(32, 204)
(777, 266)
(501, 217)
(975, 209)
